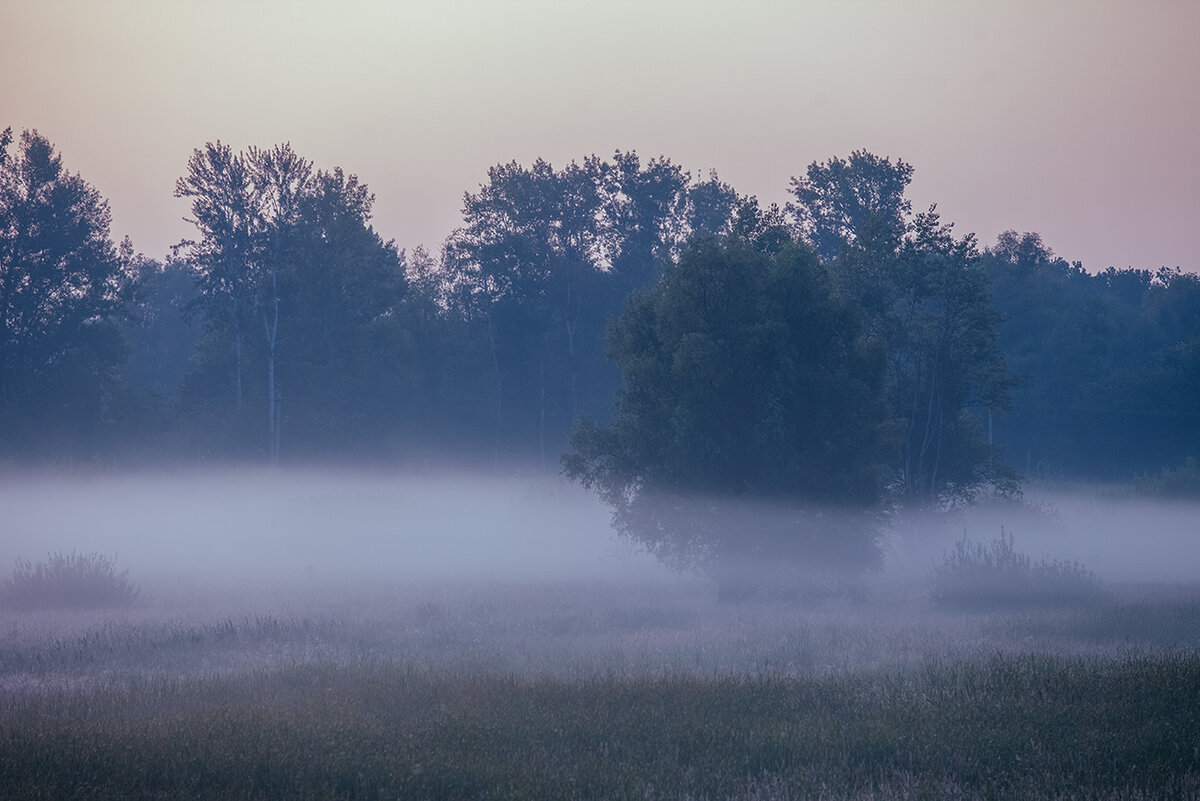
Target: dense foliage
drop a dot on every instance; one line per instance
(299, 297)
(1108, 364)
(925, 297)
(64, 290)
(746, 380)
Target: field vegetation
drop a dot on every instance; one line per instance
(987, 575)
(73, 579)
(600, 690)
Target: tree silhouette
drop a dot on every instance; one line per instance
(749, 429)
(63, 292)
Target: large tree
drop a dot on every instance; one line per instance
(294, 282)
(749, 429)
(641, 210)
(64, 290)
(525, 263)
(219, 187)
(346, 364)
(945, 363)
(926, 299)
(280, 182)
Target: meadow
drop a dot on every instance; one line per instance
(625, 683)
(602, 691)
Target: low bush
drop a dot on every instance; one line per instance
(73, 580)
(995, 575)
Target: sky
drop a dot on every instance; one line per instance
(1077, 120)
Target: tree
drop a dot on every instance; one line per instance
(1044, 301)
(925, 297)
(855, 201)
(706, 209)
(347, 366)
(640, 206)
(527, 263)
(749, 426)
(218, 184)
(451, 362)
(280, 180)
(288, 252)
(945, 361)
(64, 290)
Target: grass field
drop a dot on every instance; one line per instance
(598, 689)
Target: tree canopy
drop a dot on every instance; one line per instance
(746, 386)
(926, 299)
(297, 290)
(64, 291)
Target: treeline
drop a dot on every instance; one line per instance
(287, 328)
(1106, 366)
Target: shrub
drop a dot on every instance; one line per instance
(1182, 482)
(979, 576)
(71, 580)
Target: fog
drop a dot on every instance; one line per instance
(1120, 537)
(298, 528)
(275, 527)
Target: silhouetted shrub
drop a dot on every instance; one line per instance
(1182, 482)
(71, 580)
(995, 575)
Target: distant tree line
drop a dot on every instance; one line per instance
(868, 350)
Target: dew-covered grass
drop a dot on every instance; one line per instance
(595, 689)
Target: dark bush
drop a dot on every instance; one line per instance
(995, 575)
(71, 580)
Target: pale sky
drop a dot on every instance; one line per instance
(1078, 120)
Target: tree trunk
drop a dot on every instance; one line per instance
(542, 404)
(271, 329)
(499, 389)
(237, 359)
(735, 581)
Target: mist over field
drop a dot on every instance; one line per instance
(354, 633)
(298, 528)
(292, 527)
(1119, 536)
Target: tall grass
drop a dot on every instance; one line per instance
(598, 693)
(1034, 727)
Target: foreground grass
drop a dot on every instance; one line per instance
(1003, 727)
(562, 695)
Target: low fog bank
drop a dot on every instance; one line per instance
(272, 527)
(301, 529)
